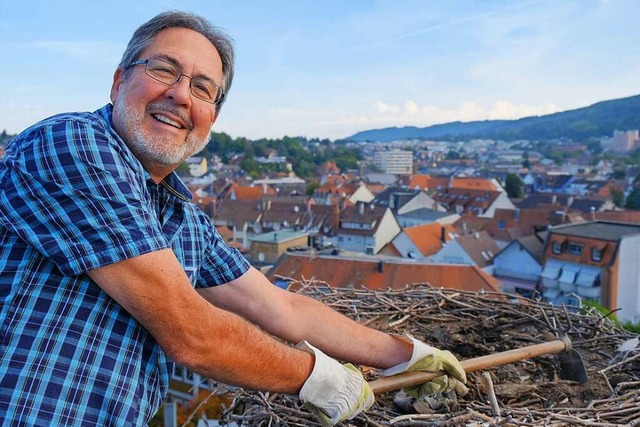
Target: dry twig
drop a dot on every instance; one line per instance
(471, 325)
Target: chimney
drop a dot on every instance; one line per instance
(335, 217)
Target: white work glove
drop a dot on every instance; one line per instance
(334, 392)
(430, 359)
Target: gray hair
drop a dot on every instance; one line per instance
(143, 37)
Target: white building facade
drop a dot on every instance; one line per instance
(398, 162)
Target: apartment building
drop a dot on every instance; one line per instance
(597, 260)
(398, 162)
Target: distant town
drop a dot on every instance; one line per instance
(557, 220)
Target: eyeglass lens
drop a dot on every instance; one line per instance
(169, 74)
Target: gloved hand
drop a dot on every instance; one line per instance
(430, 359)
(334, 392)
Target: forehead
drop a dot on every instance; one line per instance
(194, 52)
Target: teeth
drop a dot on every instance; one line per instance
(167, 120)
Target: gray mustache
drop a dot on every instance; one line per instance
(179, 113)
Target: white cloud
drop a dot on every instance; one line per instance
(411, 114)
(339, 123)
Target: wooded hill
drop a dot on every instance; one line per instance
(596, 120)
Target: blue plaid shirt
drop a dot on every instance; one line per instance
(74, 198)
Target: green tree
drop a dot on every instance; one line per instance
(251, 167)
(453, 155)
(513, 185)
(619, 174)
(525, 160)
(633, 201)
(312, 187)
(617, 196)
(183, 169)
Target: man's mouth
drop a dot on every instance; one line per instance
(164, 119)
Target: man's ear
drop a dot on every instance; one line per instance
(118, 80)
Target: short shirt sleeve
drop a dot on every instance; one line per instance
(221, 263)
(71, 189)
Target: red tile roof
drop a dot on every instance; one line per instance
(249, 193)
(426, 182)
(427, 237)
(376, 274)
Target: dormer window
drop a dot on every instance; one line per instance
(574, 248)
(596, 254)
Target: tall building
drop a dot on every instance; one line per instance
(397, 162)
(625, 140)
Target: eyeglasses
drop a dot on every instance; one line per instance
(169, 74)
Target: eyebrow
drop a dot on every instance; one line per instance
(174, 61)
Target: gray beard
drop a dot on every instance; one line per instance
(159, 149)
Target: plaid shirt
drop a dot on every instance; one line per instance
(74, 198)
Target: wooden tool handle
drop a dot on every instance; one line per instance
(408, 379)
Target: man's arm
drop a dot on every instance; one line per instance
(295, 317)
(218, 344)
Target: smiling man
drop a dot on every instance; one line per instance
(109, 274)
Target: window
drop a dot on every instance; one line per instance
(574, 248)
(557, 248)
(596, 254)
(501, 224)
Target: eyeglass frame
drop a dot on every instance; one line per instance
(145, 62)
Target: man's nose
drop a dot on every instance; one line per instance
(180, 91)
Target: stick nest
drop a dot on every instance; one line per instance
(528, 393)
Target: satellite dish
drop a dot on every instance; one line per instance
(261, 257)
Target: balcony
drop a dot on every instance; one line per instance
(567, 279)
(588, 277)
(590, 292)
(549, 284)
(568, 287)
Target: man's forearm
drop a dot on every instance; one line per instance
(295, 317)
(345, 339)
(212, 342)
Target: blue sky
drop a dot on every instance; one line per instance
(330, 68)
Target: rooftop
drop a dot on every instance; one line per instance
(381, 274)
(278, 236)
(426, 214)
(611, 231)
